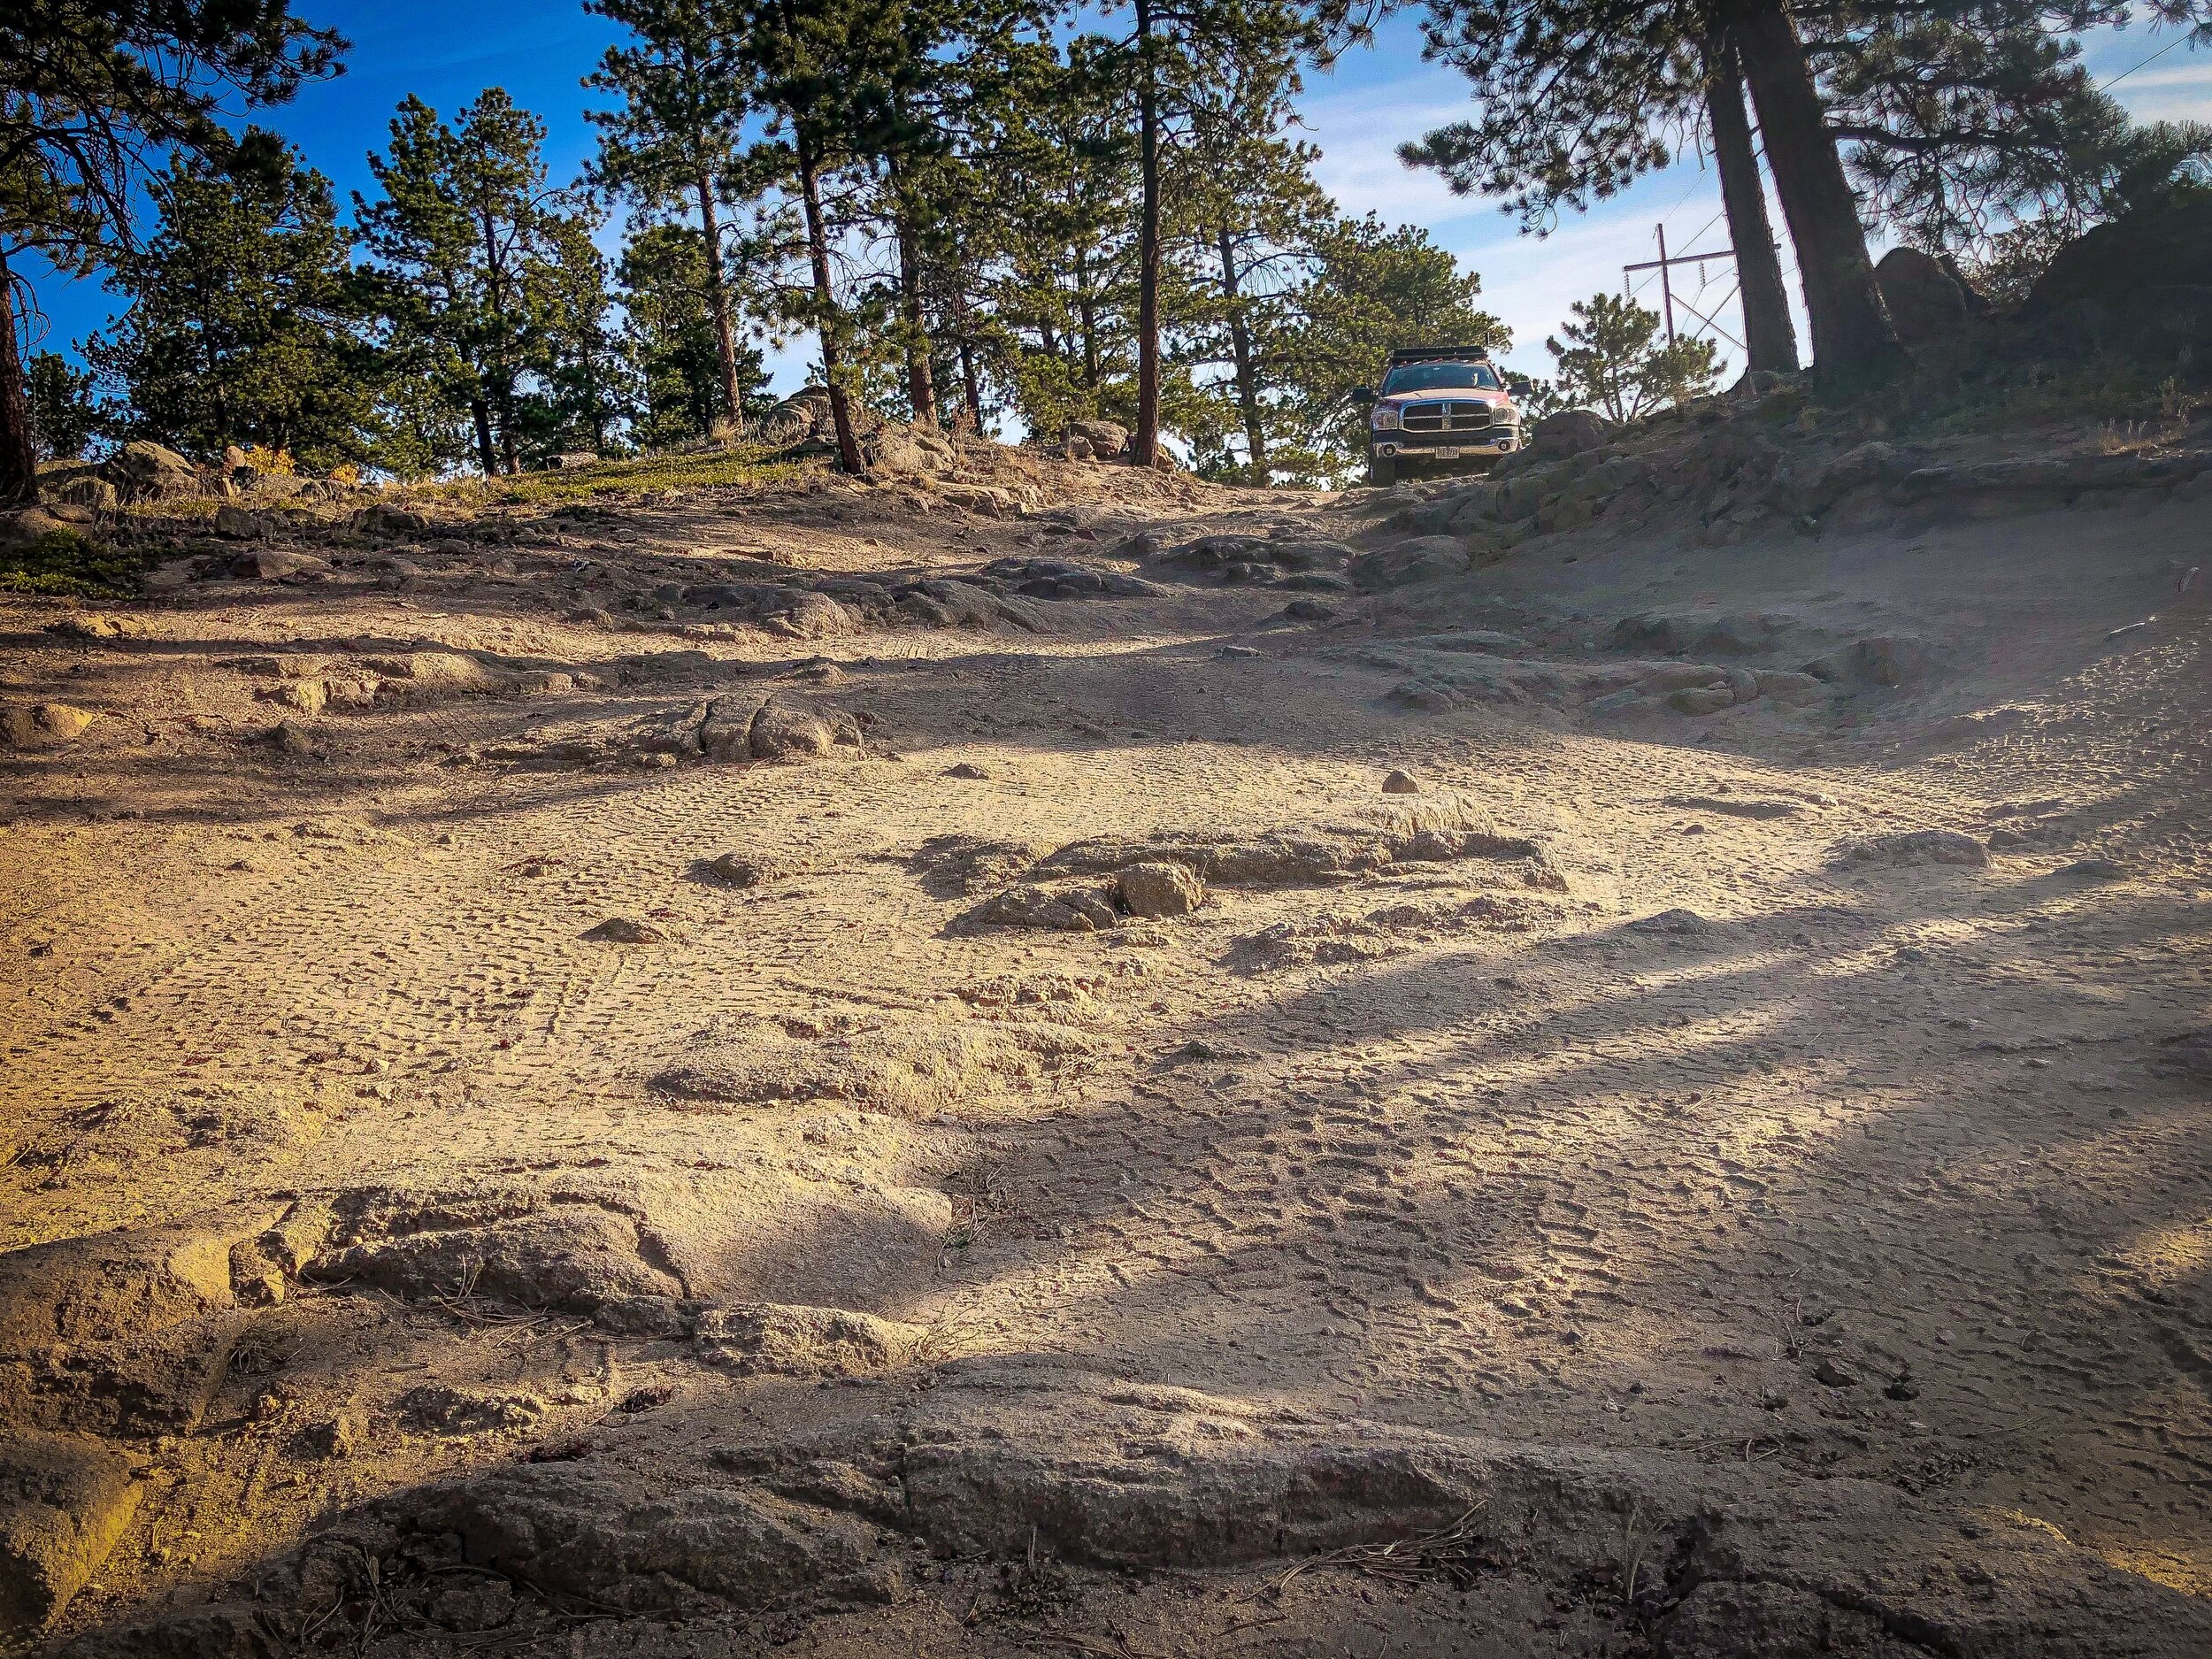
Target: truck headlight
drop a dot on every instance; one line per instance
(1386, 417)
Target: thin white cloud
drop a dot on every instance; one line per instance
(2182, 92)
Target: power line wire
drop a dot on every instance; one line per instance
(2181, 39)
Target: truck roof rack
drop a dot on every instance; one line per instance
(1439, 354)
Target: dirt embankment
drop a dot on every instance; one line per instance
(1605, 1060)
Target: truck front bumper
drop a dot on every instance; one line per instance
(1438, 446)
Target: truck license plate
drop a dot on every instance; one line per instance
(1449, 455)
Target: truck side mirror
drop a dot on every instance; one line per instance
(1520, 388)
(1363, 397)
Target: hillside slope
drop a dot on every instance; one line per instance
(887, 1070)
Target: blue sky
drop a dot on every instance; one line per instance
(448, 51)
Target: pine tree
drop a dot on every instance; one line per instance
(1961, 119)
(1058, 166)
(1244, 213)
(1372, 288)
(676, 139)
(587, 389)
(1956, 116)
(465, 210)
(1577, 98)
(1769, 336)
(1167, 36)
(1576, 101)
(63, 412)
(817, 70)
(91, 95)
(670, 338)
(246, 323)
(1613, 359)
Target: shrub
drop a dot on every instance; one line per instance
(64, 562)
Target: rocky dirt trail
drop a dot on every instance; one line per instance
(1616, 1059)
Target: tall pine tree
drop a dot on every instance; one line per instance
(246, 323)
(464, 212)
(1244, 216)
(92, 94)
(675, 140)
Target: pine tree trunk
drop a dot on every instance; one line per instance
(848, 454)
(1852, 336)
(1144, 443)
(1770, 337)
(921, 384)
(971, 387)
(19, 446)
(496, 269)
(1087, 313)
(483, 411)
(1241, 348)
(718, 296)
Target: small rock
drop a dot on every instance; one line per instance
(767, 1339)
(1065, 907)
(333, 1440)
(473, 1604)
(1401, 783)
(1835, 1376)
(1699, 700)
(439, 1408)
(1674, 923)
(1921, 847)
(789, 729)
(745, 870)
(43, 725)
(239, 524)
(91, 625)
(290, 737)
(623, 930)
(1155, 890)
(2095, 869)
(387, 520)
(277, 564)
(966, 769)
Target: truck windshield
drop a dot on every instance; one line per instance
(1431, 377)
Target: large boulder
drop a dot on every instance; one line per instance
(897, 450)
(1571, 431)
(1101, 440)
(145, 471)
(85, 489)
(1926, 302)
(785, 728)
(2146, 277)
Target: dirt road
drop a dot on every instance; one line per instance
(1511, 1060)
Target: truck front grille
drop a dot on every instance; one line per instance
(1447, 417)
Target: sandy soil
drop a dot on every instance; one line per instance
(1696, 1130)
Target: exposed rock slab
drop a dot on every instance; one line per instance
(63, 1504)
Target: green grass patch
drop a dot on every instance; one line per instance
(705, 469)
(62, 562)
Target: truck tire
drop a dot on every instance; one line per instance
(1382, 471)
